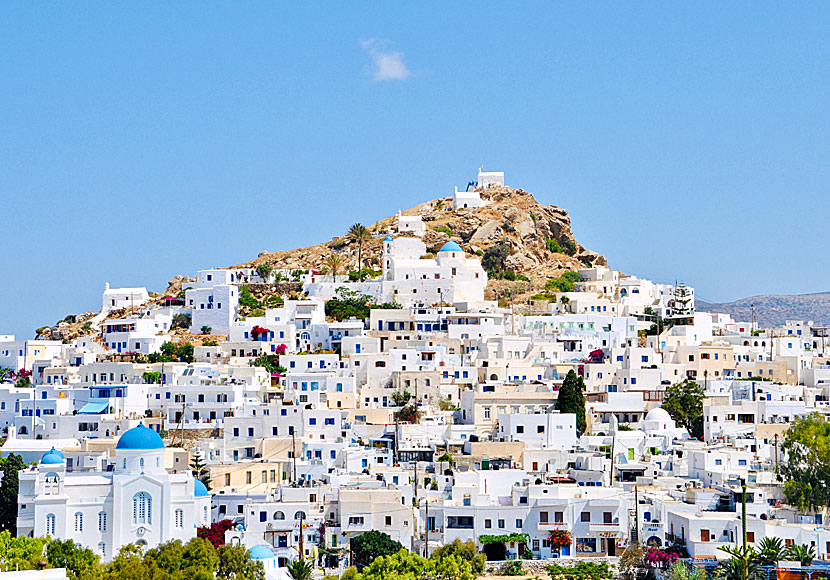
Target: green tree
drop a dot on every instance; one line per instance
(466, 551)
(495, 257)
(806, 449)
(770, 551)
(20, 553)
(358, 233)
(264, 271)
(235, 563)
(572, 400)
(741, 566)
(8, 492)
(129, 564)
(684, 402)
(206, 329)
(333, 261)
(300, 570)
(80, 563)
(802, 554)
(200, 470)
(368, 547)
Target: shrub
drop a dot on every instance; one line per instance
(366, 273)
(569, 246)
(513, 568)
(553, 246)
(181, 320)
(495, 257)
(444, 229)
(564, 283)
(246, 300)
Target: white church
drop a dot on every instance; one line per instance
(134, 501)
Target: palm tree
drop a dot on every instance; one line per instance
(359, 234)
(803, 554)
(741, 566)
(771, 551)
(300, 570)
(333, 262)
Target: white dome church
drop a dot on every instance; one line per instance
(136, 501)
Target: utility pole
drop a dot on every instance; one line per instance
(294, 455)
(416, 400)
(636, 537)
(181, 423)
(302, 553)
(426, 528)
(776, 457)
(743, 512)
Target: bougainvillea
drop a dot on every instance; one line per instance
(215, 534)
(661, 558)
(560, 538)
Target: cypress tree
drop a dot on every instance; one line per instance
(8, 492)
(571, 400)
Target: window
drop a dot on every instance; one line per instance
(388, 520)
(520, 429)
(102, 548)
(540, 428)
(142, 508)
(179, 518)
(50, 524)
(519, 523)
(488, 523)
(102, 521)
(79, 522)
(248, 477)
(585, 517)
(501, 524)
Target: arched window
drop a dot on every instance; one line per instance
(102, 521)
(279, 516)
(205, 514)
(102, 548)
(299, 516)
(50, 524)
(142, 508)
(141, 463)
(79, 522)
(179, 518)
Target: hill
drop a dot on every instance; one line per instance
(539, 238)
(775, 309)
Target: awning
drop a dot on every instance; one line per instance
(95, 408)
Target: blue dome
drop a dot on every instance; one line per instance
(261, 553)
(451, 247)
(52, 457)
(200, 489)
(140, 437)
(387, 239)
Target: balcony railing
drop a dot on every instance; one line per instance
(553, 525)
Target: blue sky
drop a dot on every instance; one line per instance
(141, 141)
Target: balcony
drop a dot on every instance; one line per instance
(549, 526)
(600, 528)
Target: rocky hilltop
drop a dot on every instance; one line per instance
(775, 309)
(539, 237)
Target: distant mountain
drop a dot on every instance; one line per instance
(775, 309)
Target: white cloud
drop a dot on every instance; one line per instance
(387, 64)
